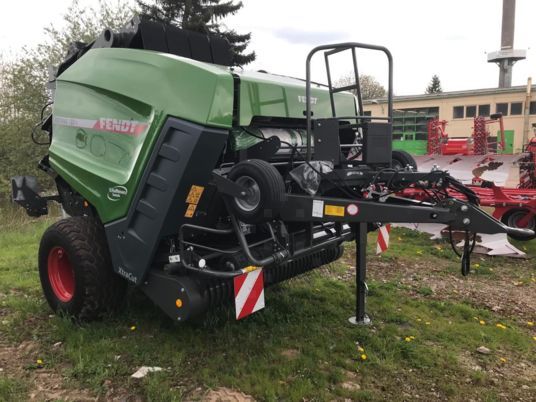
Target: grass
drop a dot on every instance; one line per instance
(301, 347)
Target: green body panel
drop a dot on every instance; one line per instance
(278, 96)
(100, 97)
(111, 104)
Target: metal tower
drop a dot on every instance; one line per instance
(507, 56)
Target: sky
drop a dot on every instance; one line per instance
(449, 38)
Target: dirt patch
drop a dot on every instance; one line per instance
(21, 362)
(226, 395)
(350, 386)
(290, 354)
(502, 292)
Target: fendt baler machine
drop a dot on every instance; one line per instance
(181, 172)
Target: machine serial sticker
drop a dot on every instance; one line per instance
(190, 210)
(318, 209)
(334, 210)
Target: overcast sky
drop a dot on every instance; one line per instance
(445, 37)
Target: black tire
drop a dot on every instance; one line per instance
(401, 159)
(91, 288)
(511, 217)
(263, 204)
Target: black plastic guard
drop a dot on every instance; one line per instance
(179, 298)
(185, 155)
(25, 192)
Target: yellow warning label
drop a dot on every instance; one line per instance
(333, 210)
(195, 194)
(190, 210)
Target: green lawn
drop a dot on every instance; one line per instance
(422, 343)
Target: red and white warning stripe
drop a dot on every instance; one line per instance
(383, 238)
(249, 293)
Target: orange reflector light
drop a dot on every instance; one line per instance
(178, 303)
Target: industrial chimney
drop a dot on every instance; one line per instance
(507, 56)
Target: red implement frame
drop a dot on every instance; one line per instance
(479, 143)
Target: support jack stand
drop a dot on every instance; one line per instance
(360, 318)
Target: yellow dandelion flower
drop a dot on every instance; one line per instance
(412, 337)
(407, 339)
(502, 359)
(476, 265)
(427, 322)
(534, 338)
(399, 238)
(482, 322)
(530, 323)
(501, 326)
(419, 320)
(363, 357)
(133, 328)
(360, 349)
(39, 362)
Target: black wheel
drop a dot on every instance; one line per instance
(401, 159)
(513, 217)
(76, 270)
(265, 191)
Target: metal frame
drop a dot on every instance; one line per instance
(337, 48)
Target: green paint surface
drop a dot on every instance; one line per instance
(269, 95)
(119, 88)
(125, 85)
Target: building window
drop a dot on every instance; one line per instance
(532, 108)
(483, 110)
(470, 111)
(457, 112)
(516, 108)
(367, 113)
(502, 108)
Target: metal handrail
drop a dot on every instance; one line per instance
(335, 48)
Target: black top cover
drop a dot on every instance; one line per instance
(143, 33)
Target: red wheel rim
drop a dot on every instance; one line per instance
(60, 274)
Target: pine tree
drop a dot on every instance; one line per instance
(202, 16)
(435, 86)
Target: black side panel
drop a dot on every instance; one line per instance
(185, 155)
(378, 144)
(178, 42)
(326, 141)
(200, 46)
(221, 51)
(153, 36)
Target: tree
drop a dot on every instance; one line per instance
(202, 16)
(435, 86)
(23, 83)
(370, 87)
